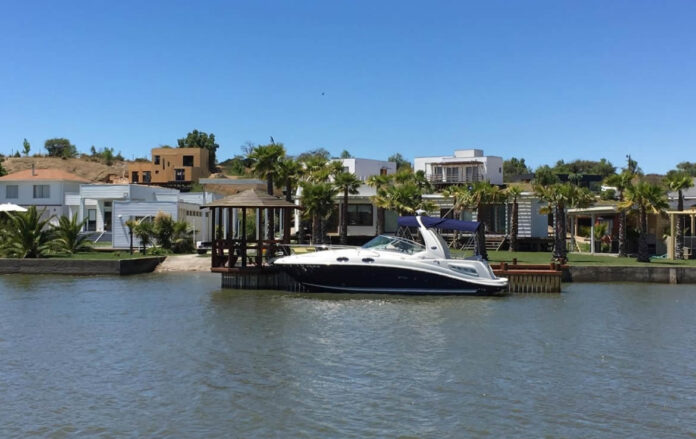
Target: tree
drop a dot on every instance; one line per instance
(144, 231)
(678, 182)
(28, 235)
(60, 147)
(68, 236)
(288, 174)
(687, 168)
(317, 200)
(265, 160)
(514, 167)
(200, 139)
(345, 154)
(2, 169)
(621, 182)
(318, 153)
(379, 182)
(513, 193)
(131, 224)
(347, 183)
(182, 237)
(163, 230)
(644, 197)
(399, 160)
(404, 193)
(544, 176)
(26, 146)
(602, 167)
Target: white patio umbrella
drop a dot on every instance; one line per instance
(9, 207)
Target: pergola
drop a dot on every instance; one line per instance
(673, 216)
(230, 242)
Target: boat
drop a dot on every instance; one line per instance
(396, 265)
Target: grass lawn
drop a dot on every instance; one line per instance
(102, 256)
(577, 259)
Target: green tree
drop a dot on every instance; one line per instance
(200, 139)
(26, 146)
(163, 230)
(144, 231)
(265, 161)
(2, 169)
(644, 197)
(621, 182)
(345, 154)
(513, 193)
(28, 235)
(399, 160)
(514, 167)
(68, 236)
(320, 153)
(288, 174)
(318, 201)
(347, 183)
(131, 224)
(545, 176)
(688, 168)
(379, 182)
(182, 237)
(679, 182)
(60, 147)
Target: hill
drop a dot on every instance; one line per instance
(91, 170)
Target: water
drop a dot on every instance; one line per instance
(172, 355)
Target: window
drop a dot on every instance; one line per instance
(452, 174)
(42, 191)
(11, 191)
(360, 214)
(383, 171)
(91, 224)
(437, 173)
(180, 175)
(188, 160)
(147, 177)
(157, 160)
(134, 177)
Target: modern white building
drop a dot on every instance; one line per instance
(464, 166)
(43, 188)
(366, 168)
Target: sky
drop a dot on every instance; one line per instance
(539, 80)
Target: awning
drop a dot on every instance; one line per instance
(439, 223)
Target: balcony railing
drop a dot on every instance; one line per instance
(457, 179)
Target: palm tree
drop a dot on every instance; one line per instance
(645, 197)
(379, 182)
(621, 182)
(68, 238)
(288, 174)
(318, 201)
(144, 230)
(182, 241)
(28, 235)
(679, 182)
(131, 224)
(265, 160)
(347, 183)
(551, 194)
(573, 197)
(514, 192)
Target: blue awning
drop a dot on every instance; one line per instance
(439, 223)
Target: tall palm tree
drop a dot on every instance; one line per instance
(265, 160)
(28, 235)
(621, 182)
(288, 174)
(514, 192)
(347, 183)
(551, 194)
(573, 197)
(318, 201)
(678, 182)
(67, 236)
(379, 182)
(645, 197)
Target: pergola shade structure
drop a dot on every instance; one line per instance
(688, 240)
(230, 242)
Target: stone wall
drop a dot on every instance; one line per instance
(79, 266)
(630, 274)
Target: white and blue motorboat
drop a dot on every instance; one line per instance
(396, 265)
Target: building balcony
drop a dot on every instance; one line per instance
(456, 179)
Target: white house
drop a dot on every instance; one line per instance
(43, 188)
(464, 166)
(366, 168)
(107, 207)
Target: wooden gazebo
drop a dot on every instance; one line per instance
(232, 251)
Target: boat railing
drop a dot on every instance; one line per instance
(296, 249)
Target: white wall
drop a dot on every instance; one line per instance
(366, 168)
(132, 209)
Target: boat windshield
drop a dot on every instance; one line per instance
(394, 244)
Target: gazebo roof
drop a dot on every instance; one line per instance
(252, 198)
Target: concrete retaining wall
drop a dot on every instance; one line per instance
(686, 275)
(79, 267)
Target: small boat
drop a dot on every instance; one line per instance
(396, 265)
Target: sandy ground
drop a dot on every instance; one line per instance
(185, 263)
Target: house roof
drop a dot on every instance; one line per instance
(43, 175)
(252, 198)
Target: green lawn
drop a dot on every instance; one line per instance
(576, 259)
(102, 255)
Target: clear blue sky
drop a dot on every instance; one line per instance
(542, 80)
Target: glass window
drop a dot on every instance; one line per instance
(42, 191)
(147, 177)
(134, 177)
(360, 214)
(180, 175)
(383, 171)
(188, 160)
(91, 220)
(452, 174)
(11, 191)
(157, 160)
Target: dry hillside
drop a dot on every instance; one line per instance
(91, 170)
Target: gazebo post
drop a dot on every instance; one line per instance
(214, 249)
(244, 241)
(230, 238)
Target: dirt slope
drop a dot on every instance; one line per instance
(94, 171)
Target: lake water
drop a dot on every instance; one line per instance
(172, 355)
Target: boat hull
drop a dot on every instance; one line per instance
(384, 280)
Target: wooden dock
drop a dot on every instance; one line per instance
(530, 278)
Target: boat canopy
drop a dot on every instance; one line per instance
(439, 223)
